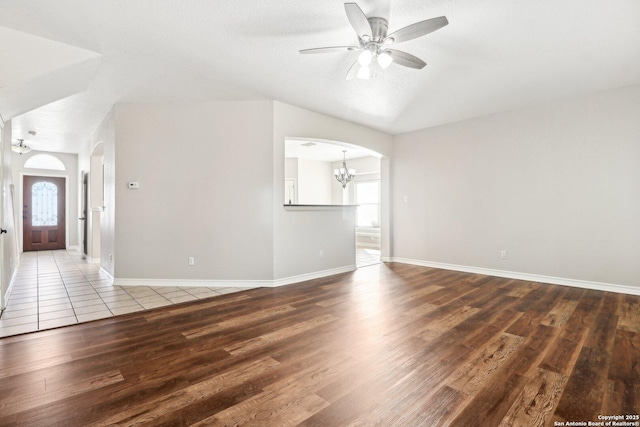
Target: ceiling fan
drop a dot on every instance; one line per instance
(373, 41)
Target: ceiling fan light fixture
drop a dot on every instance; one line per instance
(364, 73)
(384, 60)
(373, 41)
(365, 58)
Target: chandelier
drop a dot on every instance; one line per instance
(344, 175)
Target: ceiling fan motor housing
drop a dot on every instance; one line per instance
(379, 27)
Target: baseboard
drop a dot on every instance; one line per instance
(315, 275)
(75, 248)
(109, 275)
(233, 283)
(193, 283)
(598, 286)
(7, 294)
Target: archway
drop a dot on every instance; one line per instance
(310, 164)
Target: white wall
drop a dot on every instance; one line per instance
(291, 168)
(364, 166)
(9, 241)
(107, 134)
(206, 190)
(72, 185)
(556, 185)
(314, 182)
(300, 235)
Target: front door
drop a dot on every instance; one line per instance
(44, 213)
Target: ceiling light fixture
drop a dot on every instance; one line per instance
(365, 58)
(344, 175)
(384, 60)
(374, 41)
(20, 148)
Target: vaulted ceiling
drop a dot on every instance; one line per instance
(494, 55)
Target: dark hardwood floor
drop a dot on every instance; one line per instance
(388, 345)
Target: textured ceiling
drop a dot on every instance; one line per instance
(493, 56)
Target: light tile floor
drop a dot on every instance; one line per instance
(367, 256)
(59, 288)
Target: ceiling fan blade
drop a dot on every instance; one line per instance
(332, 49)
(353, 71)
(358, 20)
(406, 59)
(416, 30)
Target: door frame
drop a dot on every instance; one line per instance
(84, 211)
(21, 205)
(2, 178)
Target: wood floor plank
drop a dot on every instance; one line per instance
(629, 315)
(472, 376)
(560, 313)
(390, 344)
(535, 405)
(237, 321)
(177, 401)
(583, 395)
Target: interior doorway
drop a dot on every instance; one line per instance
(85, 208)
(366, 195)
(44, 215)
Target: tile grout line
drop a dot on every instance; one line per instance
(93, 287)
(55, 260)
(37, 291)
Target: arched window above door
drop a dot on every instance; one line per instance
(44, 161)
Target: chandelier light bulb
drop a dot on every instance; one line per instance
(365, 57)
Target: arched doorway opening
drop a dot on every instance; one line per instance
(310, 168)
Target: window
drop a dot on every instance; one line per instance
(44, 161)
(44, 202)
(368, 201)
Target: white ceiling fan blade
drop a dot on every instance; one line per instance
(358, 20)
(332, 49)
(406, 59)
(353, 71)
(416, 30)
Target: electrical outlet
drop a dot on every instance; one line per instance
(321, 253)
(503, 254)
(110, 257)
(192, 261)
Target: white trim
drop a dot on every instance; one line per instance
(232, 283)
(7, 294)
(75, 248)
(311, 276)
(193, 283)
(317, 207)
(109, 275)
(598, 286)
